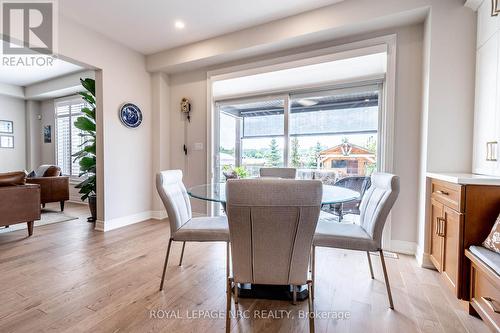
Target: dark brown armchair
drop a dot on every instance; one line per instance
(53, 186)
(19, 203)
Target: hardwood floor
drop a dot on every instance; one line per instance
(69, 278)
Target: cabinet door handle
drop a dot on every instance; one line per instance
(491, 304)
(440, 227)
(443, 192)
(443, 227)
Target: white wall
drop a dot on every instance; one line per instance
(124, 155)
(13, 109)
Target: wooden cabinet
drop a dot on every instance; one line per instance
(487, 101)
(452, 245)
(460, 216)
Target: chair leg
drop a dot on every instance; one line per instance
(182, 253)
(236, 291)
(294, 295)
(227, 265)
(313, 269)
(370, 263)
(30, 228)
(165, 265)
(62, 206)
(311, 308)
(386, 278)
(228, 304)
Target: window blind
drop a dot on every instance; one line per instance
(68, 139)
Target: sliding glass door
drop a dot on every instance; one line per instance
(326, 134)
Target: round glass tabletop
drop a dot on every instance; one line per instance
(216, 192)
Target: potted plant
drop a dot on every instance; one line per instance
(87, 155)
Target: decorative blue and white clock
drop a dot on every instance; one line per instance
(130, 115)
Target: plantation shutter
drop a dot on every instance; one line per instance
(68, 140)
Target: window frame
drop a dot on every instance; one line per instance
(377, 84)
(61, 102)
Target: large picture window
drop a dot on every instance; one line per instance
(68, 139)
(330, 134)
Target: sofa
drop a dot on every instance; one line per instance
(19, 202)
(53, 186)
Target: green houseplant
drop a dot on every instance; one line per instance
(86, 157)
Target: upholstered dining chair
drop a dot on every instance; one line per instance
(183, 227)
(271, 233)
(367, 236)
(288, 173)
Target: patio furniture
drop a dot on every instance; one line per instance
(359, 184)
(183, 227)
(289, 173)
(271, 233)
(367, 236)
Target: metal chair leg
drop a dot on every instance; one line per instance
(386, 277)
(294, 294)
(313, 260)
(370, 263)
(227, 265)
(236, 291)
(182, 253)
(311, 308)
(228, 304)
(166, 262)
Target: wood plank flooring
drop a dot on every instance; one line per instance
(69, 278)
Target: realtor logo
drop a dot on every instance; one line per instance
(28, 27)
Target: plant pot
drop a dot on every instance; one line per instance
(93, 208)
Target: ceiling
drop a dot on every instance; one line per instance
(148, 26)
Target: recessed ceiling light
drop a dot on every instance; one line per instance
(179, 24)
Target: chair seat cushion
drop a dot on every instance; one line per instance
(204, 229)
(344, 236)
(490, 258)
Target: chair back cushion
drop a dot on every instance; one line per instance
(287, 173)
(47, 170)
(271, 227)
(377, 203)
(174, 197)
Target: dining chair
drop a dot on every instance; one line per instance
(288, 173)
(183, 226)
(271, 227)
(367, 236)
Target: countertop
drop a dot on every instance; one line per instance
(464, 178)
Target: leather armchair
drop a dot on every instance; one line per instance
(53, 186)
(19, 203)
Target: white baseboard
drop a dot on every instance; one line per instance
(120, 222)
(159, 214)
(423, 258)
(403, 247)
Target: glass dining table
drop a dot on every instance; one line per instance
(216, 192)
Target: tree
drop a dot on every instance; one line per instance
(295, 153)
(274, 158)
(314, 157)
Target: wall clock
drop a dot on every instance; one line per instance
(130, 115)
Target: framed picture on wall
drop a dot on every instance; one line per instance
(47, 134)
(6, 126)
(6, 141)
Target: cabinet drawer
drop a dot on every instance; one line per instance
(486, 297)
(449, 194)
